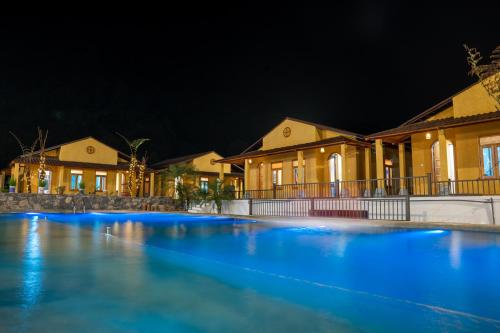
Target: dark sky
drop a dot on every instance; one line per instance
(219, 78)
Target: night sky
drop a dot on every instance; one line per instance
(220, 78)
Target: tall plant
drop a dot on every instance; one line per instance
(27, 155)
(217, 192)
(487, 74)
(182, 177)
(134, 181)
(42, 138)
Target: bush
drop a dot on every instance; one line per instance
(12, 182)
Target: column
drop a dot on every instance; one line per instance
(368, 168)
(403, 189)
(443, 156)
(15, 174)
(443, 187)
(151, 184)
(300, 167)
(247, 175)
(379, 156)
(221, 171)
(2, 179)
(60, 180)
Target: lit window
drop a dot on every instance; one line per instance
(100, 181)
(204, 184)
(76, 178)
(277, 169)
(490, 156)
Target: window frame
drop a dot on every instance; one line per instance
(103, 185)
(495, 160)
(277, 173)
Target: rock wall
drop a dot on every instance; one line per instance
(10, 202)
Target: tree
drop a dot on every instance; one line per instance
(217, 192)
(27, 155)
(135, 175)
(42, 138)
(487, 74)
(182, 176)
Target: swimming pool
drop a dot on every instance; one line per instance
(158, 272)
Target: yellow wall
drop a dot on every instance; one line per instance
(300, 133)
(316, 166)
(474, 100)
(205, 163)
(77, 152)
(466, 149)
(446, 113)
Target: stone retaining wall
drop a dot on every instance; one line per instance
(35, 202)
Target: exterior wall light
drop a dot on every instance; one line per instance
(428, 136)
(250, 161)
(322, 150)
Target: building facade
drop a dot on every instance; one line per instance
(455, 144)
(299, 158)
(100, 167)
(206, 170)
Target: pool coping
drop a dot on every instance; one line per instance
(310, 221)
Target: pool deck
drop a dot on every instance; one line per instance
(320, 221)
(339, 222)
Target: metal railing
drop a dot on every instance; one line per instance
(395, 209)
(413, 186)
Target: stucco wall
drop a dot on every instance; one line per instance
(466, 149)
(455, 209)
(36, 202)
(77, 152)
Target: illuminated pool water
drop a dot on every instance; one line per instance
(178, 273)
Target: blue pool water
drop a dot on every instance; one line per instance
(178, 273)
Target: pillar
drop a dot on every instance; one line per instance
(343, 153)
(368, 168)
(443, 156)
(300, 167)
(2, 180)
(403, 188)
(379, 160)
(247, 175)
(60, 179)
(221, 171)
(15, 174)
(151, 184)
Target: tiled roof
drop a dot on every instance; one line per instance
(435, 124)
(55, 161)
(181, 159)
(274, 151)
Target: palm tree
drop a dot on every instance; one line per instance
(182, 176)
(134, 181)
(27, 155)
(217, 192)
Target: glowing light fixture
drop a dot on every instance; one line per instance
(428, 136)
(250, 161)
(322, 150)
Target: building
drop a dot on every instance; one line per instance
(100, 167)
(206, 170)
(299, 158)
(455, 145)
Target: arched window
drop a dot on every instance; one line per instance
(436, 162)
(335, 167)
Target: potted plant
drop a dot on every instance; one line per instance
(81, 186)
(12, 185)
(41, 185)
(61, 189)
